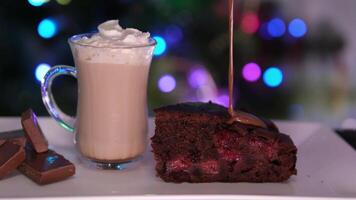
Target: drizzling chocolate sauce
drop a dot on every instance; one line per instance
(238, 116)
(231, 58)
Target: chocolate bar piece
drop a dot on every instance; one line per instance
(19, 141)
(14, 136)
(48, 167)
(11, 134)
(11, 156)
(33, 131)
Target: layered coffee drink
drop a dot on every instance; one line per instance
(112, 69)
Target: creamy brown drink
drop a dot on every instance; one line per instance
(112, 69)
(112, 93)
(112, 124)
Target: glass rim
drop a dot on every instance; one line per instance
(73, 40)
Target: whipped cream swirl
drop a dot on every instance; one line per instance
(111, 34)
(109, 45)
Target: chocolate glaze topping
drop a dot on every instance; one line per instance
(239, 116)
(246, 118)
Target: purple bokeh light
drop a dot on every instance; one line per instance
(167, 83)
(223, 99)
(198, 77)
(173, 34)
(251, 72)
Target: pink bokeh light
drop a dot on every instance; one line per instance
(250, 22)
(251, 72)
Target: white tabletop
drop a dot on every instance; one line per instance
(326, 169)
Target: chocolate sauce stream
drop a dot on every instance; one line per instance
(239, 116)
(231, 59)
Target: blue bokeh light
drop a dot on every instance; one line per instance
(297, 28)
(161, 46)
(36, 3)
(173, 34)
(276, 27)
(167, 83)
(264, 32)
(47, 28)
(273, 77)
(41, 71)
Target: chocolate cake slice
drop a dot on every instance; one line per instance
(194, 143)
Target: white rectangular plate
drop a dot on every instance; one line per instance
(326, 169)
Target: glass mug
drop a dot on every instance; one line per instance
(111, 123)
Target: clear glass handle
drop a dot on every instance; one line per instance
(64, 120)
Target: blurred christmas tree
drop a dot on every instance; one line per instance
(191, 58)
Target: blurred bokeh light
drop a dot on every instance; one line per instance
(273, 77)
(41, 71)
(250, 22)
(161, 45)
(47, 28)
(198, 77)
(251, 72)
(297, 28)
(276, 27)
(37, 3)
(167, 83)
(63, 2)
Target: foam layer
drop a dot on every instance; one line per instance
(111, 34)
(114, 44)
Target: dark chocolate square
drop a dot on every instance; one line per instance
(48, 167)
(33, 131)
(11, 156)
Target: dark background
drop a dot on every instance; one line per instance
(317, 67)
